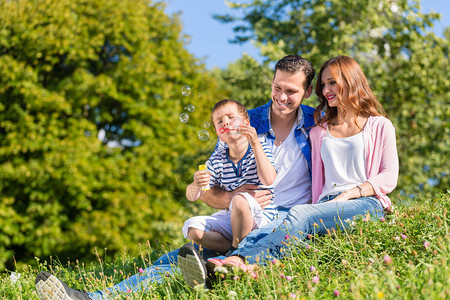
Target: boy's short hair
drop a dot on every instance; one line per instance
(224, 102)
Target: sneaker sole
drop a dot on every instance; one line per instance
(192, 267)
(50, 288)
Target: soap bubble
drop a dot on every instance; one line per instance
(184, 117)
(236, 130)
(206, 125)
(203, 135)
(186, 90)
(190, 108)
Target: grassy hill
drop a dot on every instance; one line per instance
(405, 256)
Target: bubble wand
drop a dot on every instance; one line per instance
(224, 130)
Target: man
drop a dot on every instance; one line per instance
(283, 123)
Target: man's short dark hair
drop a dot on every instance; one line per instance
(294, 64)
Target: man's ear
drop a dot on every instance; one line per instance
(308, 92)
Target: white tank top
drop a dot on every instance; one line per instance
(343, 161)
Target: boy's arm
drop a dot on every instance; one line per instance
(193, 192)
(266, 170)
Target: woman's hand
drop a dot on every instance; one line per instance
(364, 190)
(344, 196)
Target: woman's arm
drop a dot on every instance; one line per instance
(317, 169)
(383, 174)
(365, 190)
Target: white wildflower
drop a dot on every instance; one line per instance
(15, 277)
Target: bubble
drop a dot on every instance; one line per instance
(184, 117)
(206, 125)
(190, 108)
(236, 130)
(186, 90)
(203, 135)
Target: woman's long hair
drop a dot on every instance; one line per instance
(347, 73)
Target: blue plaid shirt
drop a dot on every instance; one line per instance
(260, 120)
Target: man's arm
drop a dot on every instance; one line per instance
(216, 197)
(220, 199)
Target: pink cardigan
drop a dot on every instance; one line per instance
(380, 156)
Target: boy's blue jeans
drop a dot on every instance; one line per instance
(266, 242)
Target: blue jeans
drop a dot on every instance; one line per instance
(266, 241)
(163, 266)
(155, 273)
(302, 220)
(167, 265)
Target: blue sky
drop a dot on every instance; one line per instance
(209, 38)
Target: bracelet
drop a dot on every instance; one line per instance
(361, 192)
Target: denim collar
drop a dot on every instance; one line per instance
(265, 125)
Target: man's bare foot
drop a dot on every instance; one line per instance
(238, 262)
(234, 259)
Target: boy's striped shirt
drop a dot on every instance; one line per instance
(230, 176)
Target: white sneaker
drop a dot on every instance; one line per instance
(49, 287)
(192, 266)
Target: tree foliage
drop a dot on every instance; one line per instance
(406, 64)
(92, 152)
(246, 81)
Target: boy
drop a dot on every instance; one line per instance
(245, 161)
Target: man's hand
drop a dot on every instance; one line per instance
(220, 199)
(262, 196)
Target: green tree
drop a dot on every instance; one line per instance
(73, 71)
(406, 64)
(246, 81)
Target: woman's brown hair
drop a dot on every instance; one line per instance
(347, 73)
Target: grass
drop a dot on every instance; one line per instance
(406, 256)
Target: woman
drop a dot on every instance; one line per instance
(354, 162)
(353, 139)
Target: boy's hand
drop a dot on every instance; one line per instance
(201, 178)
(250, 133)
